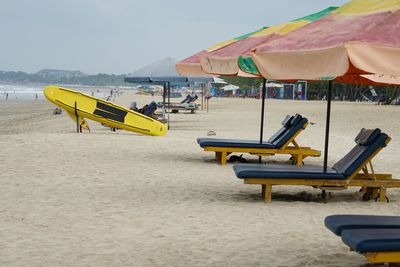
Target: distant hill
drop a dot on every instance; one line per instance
(49, 76)
(50, 73)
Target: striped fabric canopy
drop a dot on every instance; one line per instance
(233, 57)
(359, 40)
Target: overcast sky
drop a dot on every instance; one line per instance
(120, 36)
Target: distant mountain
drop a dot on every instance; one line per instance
(163, 67)
(49, 76)
(51, 73)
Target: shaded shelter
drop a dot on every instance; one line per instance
(166, 82)
(357, 43)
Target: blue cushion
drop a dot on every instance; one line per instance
(215, 142)
(358, 155)
(277, 171)
(287, 121)
(367, 137)
(297, 124)
(296, 119)
(339, 223)
(150, 108)
(372, 240)
(186, 99)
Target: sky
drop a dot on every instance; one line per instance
(120, 36)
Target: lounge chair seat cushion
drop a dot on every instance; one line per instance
(339, 223)
(372, 240)
(215, 142)
(276, 171)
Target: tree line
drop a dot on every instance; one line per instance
(100, 79)
(341, 91)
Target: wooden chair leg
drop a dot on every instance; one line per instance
(382, 194)
(223, 158)
(299, 160)
(268, 193)
(375, 193)
(263, 187)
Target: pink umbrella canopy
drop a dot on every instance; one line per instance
(232, 57)
(357, 43)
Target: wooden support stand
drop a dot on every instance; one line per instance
(78, 127)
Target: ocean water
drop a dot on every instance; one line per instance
(35, 91)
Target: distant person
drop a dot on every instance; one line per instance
(57, 111)
(133, 106)
(36, 96)
(298, 95)
(6, 96)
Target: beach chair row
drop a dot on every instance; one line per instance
(355, 169)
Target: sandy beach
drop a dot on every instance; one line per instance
(121, 199)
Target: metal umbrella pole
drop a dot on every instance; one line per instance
(169, 100)
(262, 95)
(327, 128)
(164, 95)
(202, 96)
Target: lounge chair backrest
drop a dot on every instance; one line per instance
(186, 99)
(286, 124)
(193, 99)
(367, 143)
(292, 127)
(150, 109)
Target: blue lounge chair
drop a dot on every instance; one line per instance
(185, 105)
(376, 237)
(345, 173)
(339, 223)
(279, 143)
(151, 108)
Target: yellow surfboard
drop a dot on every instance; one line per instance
(103, 111)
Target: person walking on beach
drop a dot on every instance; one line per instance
(6, 96)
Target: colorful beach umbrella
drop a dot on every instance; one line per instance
(360, 38)
(232, 57)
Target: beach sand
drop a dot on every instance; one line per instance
(120, 199)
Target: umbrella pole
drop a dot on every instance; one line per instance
(328, 120)
(169, 101)
(164, 94)
(202, 96)
(262, 95)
